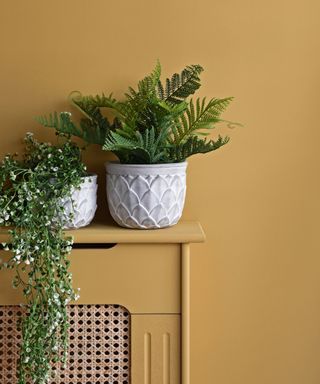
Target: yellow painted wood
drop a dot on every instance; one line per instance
(183, 232)
(152, 281)
(155, 347)
(144, 278)
(147, 357)
(185, 309)
(166, 353)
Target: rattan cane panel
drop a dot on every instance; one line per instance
(99, 345)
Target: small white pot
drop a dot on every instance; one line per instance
(146, 196)
(82, 203)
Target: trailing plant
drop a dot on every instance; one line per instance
(32, 191)
(155, 123)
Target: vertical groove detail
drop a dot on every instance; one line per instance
(147, 358)
(185, 311)
(166, 358)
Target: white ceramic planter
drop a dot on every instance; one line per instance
(84, 206)
(146, 196)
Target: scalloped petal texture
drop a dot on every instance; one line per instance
(82, 204)
(146, 201)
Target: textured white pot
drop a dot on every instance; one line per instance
(84, 204)
(146, 196)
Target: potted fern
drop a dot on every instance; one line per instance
(154, 130)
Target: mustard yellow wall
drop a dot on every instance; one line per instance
(256, 286)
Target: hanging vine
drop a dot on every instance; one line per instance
(31, 195)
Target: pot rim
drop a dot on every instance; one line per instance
(89, 179)
(116, 168)
(90, 174)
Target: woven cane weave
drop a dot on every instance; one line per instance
(99, 350)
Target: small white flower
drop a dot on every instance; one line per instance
(13, 176)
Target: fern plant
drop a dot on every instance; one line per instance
(155, 123)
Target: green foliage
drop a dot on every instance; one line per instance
(193, 146)
(92, 130)
(199, 118)
(155, 123)
(179, 87)
(31, 195)
(144, 148)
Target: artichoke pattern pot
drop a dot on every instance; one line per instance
(146, 196)
(82, 204)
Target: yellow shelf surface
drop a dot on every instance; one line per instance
(183, 232)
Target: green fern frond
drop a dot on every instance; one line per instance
(149, 83)
(198, 118)
(161, 93)
(180, 86)
(145, 147)
(126, 149)
(61, 122)
(156, 73)
(95, 129)
(125, 113)
(193, 146)
(92, 131)
(147, 88)
(89, 103)
(115, 141)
